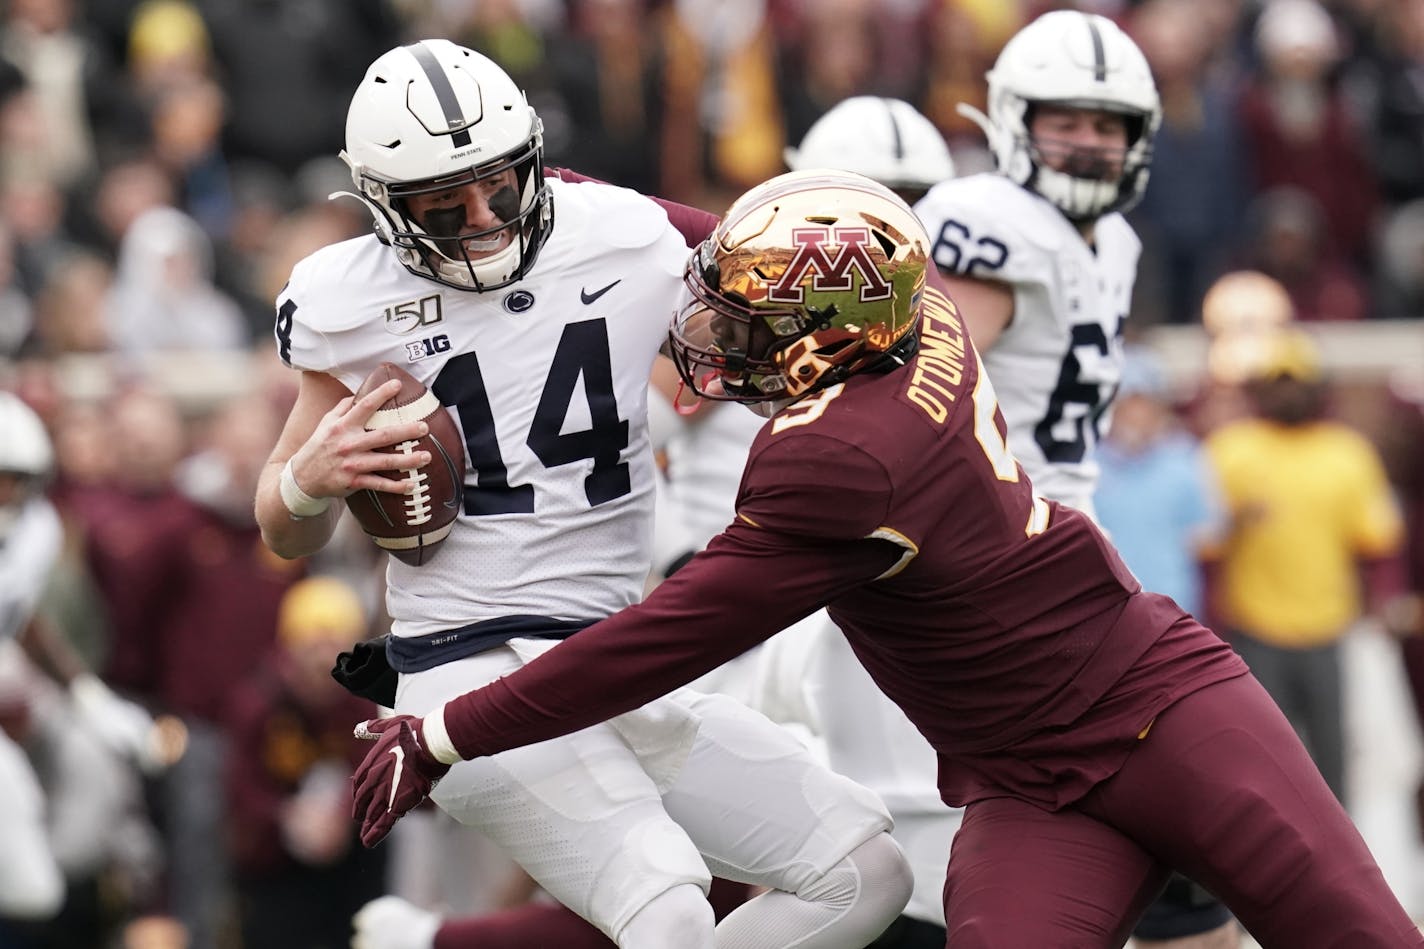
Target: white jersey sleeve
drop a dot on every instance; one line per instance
(1056, 366)
(547, 380)
(28, 553)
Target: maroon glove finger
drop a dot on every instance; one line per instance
(373, 832)
(377, 803)
(370, 781)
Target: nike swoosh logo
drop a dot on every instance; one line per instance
(455, 478)
(399, 752)
(588, 298)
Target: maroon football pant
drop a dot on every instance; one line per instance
(1221, 789)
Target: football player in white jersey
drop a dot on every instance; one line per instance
(1036, 253)
(533, 309)
(31, 538)
(1041, 262)
(31, 884)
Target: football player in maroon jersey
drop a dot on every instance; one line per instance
(1098, 735)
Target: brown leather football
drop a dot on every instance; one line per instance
(412, 526)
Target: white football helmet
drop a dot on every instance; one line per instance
(1080, 60)
(25, 455)
(884, 139)
(434, 117)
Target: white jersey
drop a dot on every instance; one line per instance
(28, 552)
(547, 380)
(1056, 366)
(705, 459)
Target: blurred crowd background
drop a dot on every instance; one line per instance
(164, 163)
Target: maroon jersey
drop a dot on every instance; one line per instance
(1005, 626)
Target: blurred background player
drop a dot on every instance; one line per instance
(1041, 262)
(548, 321)
(1036, 253)
(1314, 540)
(33, 886)
(881, 138)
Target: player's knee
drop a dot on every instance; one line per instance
(679, 916)
(870, 885)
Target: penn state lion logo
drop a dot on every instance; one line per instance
(830, 273)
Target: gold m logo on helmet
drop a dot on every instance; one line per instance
(827, 273)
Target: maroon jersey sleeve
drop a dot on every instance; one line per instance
(783, 558)
(815, 486)
(693, 223)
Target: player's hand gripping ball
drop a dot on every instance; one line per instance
(411, 526)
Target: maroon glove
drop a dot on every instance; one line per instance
(396, 776)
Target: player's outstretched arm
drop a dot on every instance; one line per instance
(323, 454)
(986, 306)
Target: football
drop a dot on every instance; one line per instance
(412, 526)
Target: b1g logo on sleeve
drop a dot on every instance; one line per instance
(405, 318)
(827, 273)
(432, 346)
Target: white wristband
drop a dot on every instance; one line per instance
(298, 502)
(437, 737)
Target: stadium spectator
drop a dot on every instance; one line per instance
(1190, 214)
(17, 321)
(1381, 81)
(607, 73)
(173, 548)
(301, 872)
(163, 298)
(62, 68)
(288, 71)
(1299, 130)
(1310, 514)
(70, 308)
(1287, 239)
